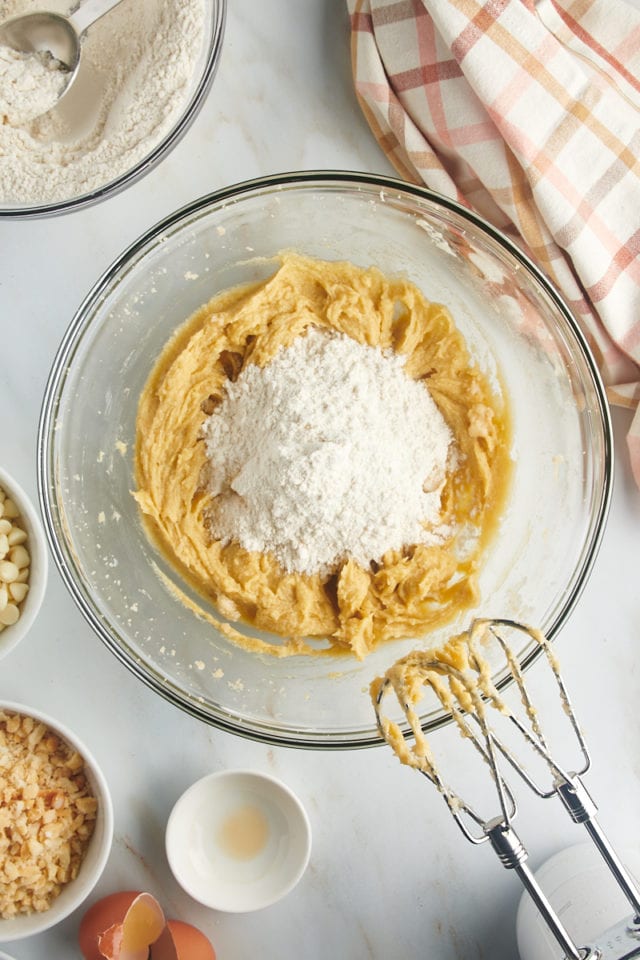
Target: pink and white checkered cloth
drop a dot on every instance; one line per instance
(529, 113)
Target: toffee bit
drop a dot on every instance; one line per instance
(231, 363)
(209, 404)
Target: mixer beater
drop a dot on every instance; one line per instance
(460, 676)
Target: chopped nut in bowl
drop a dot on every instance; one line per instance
(23, 563)
(56, 822)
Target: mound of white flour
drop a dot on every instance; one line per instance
(330, 451)
(30, 85)
(136, 73)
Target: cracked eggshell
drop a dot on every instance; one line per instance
(121, 926)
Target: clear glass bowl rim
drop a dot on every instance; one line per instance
(337, 179)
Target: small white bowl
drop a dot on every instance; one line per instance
(238, 841)
(11, 636)
(76, 891)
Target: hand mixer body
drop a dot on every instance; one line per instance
(576, 881)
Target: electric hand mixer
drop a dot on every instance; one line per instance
(468, 693)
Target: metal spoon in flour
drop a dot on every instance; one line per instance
(54, 33)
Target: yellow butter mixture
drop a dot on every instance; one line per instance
(355, 606)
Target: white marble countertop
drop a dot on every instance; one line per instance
(390, 876)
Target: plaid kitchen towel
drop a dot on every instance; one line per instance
(528, 112)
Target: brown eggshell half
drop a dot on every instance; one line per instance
(98, 918)
(181, 941)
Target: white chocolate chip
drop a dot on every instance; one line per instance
(16, 536)
(18, 591)
(9, 615)
(8, 571)
(20, 556)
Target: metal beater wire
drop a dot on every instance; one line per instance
(482, 740)
(467, 696)
(535, 737)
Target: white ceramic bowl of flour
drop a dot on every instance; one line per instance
(145, 70)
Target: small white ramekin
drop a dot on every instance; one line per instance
(264, 867)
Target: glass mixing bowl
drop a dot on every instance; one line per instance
(515, 324)
(202, 76)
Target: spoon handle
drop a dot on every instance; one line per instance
(88, 12)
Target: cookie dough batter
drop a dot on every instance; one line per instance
(354, 608)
